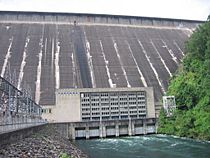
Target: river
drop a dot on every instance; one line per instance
(150, 146)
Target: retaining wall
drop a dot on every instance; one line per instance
(13, 136)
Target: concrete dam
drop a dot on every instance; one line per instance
(52, 51)
(95, 76)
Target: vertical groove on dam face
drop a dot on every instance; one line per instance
(81, 57)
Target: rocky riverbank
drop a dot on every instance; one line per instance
(47, 143)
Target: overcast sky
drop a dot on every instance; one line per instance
(181, 9)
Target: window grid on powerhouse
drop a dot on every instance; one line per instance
(113, 105)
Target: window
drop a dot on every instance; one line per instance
(104, 104)
(114, 113)
(124, 117)
(95, 113)
(104, 95)
(115, 117)
(104, 100)
(95, 118)
(95, 109)
(142, 93)
(133, 116)
(86, 119)
(105, 113)
(141, 98)
(85, 109)
(47, 111)
(105, 117)
(114, 94)
(114, 108)
(107, 108)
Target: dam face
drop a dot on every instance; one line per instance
(52, 51)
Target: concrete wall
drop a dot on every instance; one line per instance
(67, 106)
(95, 18)
(102, 129)
(150, 103)
(13, 136)
(67, 109)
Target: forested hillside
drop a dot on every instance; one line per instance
(191, 87)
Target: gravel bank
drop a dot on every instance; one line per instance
(47, 143)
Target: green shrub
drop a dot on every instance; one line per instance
(191, 87)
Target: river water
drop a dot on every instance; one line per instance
(150, 146)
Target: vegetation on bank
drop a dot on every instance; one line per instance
(64, 155)
(191, 87)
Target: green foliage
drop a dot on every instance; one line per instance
(191, 87)
(64, 155)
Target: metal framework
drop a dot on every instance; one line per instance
(169, 104)
(17, 107)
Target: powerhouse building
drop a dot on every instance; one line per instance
(100, 104)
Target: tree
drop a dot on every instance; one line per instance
(191, 87)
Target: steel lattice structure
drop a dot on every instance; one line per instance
(17, 106)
